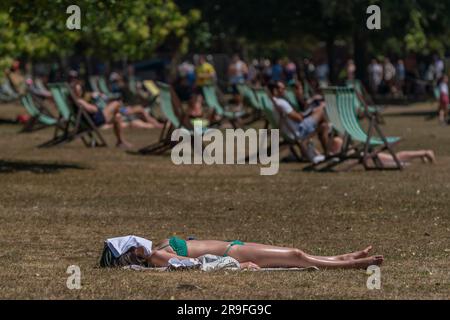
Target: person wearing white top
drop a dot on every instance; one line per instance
(298, 126)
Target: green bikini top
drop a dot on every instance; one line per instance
(179, 246)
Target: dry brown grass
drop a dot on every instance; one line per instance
(51, 219)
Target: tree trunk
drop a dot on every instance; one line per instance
(360, 53)
(330, 56)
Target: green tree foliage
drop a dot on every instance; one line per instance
(110, 29)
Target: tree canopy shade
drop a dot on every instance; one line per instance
(117, 29)
(110, 29)
(419, 26)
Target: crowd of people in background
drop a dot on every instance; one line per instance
(384, 78)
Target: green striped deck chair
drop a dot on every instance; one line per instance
(7, 93)
(363, 101)
(39, 117)
(250, 101)
(212, 101)
(98, 84)
(103, 86)
(292, 99)
(307, 90)
(249, 96)
(373, 140)
(348, 151)
(40, 84)
(75, 122)
(175, 118)
(93, 83)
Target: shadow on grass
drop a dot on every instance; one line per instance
(8, 121)
(428, 115)
(36, 167)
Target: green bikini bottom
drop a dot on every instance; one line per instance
(231, 245)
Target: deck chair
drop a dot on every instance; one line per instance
(40, 118)
(98, 84)
(212, 101)
(275, 119)
(7, 93)
(93, 83)
(291, 98)
(75, 122)
(40, 84)
(373, 139)
(348, 151)
(154, 91)
(362, 98)
(174, 119)
(251, 101)
(307, 89)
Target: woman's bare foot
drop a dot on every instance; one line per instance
(356, 255)
(430, 156)
(369, 261)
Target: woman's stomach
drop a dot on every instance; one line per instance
(199, 248)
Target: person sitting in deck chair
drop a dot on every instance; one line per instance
(131, 250)
(306, 105)
(300, 126)
(110, 114)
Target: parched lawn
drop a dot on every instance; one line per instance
(58, 205)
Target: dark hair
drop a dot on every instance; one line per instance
(130, 257)
(272, 85)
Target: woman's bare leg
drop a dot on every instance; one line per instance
(139, 124)
(195, 106)
(276, 257)
(408, 156)
(139, 111)
(347, 256)
(112, 115)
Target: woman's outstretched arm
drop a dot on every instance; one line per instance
(161, 258)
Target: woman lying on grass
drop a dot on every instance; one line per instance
(249, 255)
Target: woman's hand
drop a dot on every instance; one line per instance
(250, 266)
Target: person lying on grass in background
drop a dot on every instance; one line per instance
(135, 111)
(406, 157)
(110, 114)
(249, 255)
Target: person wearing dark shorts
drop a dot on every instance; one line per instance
(109, 114)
